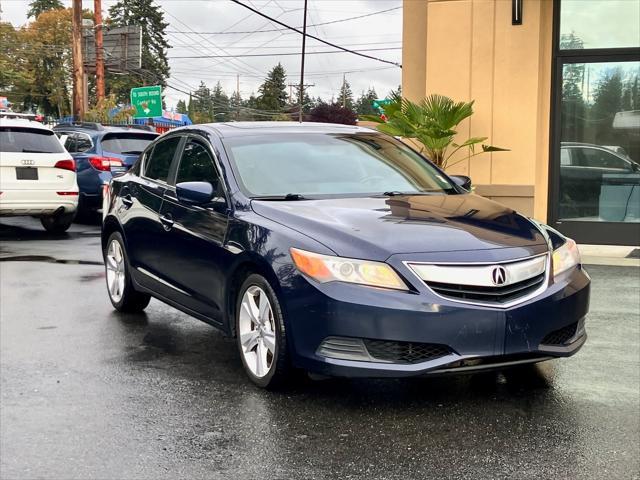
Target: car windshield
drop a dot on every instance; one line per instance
(126, 143)
(29, 140)
(330, 164)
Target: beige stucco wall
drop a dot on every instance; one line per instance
(468, 49)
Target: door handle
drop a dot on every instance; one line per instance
(167, 221)
(127, 200)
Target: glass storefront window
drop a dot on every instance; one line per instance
(600, 142)
(586, 24)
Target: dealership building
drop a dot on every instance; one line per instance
(557, 82)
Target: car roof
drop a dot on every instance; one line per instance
(237, 129)
(98, 129)
(22, 122)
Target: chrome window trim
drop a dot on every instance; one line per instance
(502, 306)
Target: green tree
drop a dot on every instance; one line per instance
(14, 76)
(221, 106)
(48, 62)
(235, 104)
(155, 65)
(36, 7)
(364, 105)
(273, 92)
(433, 123)
(345, 96)
(181, 106)
(201, 106)
(573, 107)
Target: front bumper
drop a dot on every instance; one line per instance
(475, 337)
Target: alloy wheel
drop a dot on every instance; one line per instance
(115, 271)
(257, 331)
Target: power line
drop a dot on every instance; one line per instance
(225, 32)
(313, 36)
(357, 52)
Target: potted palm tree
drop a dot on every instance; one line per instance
(432, 125)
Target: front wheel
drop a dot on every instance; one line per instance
(124, 297)
(57, 223)
(261, 335)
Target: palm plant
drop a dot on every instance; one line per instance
(432, 123)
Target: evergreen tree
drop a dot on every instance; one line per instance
(364, 105)
(345, 97)
(201, 108)
(395, 93)
(307, 102)
(181, 107)
(235, 105)
(155, 65)
(36, 7)
(221, 105)
(273, 92)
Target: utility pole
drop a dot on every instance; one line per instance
(304, 42)
(78, 67)
(97, 12)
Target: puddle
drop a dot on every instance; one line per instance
(47, 259)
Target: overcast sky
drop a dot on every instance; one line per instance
(383, 31)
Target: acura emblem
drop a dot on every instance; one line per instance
(499, 276)
(28, 162)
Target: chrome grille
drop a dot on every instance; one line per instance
(501, 284)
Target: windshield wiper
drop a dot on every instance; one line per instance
(287, 197)
(26, 150)
(131, 152)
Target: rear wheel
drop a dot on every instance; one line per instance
(261, 335)
(124, 297)
(57, 223)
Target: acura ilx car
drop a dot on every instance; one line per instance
(340, 251)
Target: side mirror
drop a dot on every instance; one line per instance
(462, 181)
(195, 193)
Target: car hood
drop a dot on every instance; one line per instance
(378, 227)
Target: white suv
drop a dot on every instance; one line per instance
(37, 175)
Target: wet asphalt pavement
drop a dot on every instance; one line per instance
(88, 393)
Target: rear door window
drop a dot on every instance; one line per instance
(29, 140)
(126, 143)
(158, 164)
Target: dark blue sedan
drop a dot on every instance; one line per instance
(99, 152)
(340, 251)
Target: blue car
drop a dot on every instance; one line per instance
(340, 251)
(100, 151)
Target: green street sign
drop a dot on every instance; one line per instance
(147, 101)
(379, 104)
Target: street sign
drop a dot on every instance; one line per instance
(379, 104)
(147, 101)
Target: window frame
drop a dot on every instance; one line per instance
(173, 175)
(147, 154)
(615, 233)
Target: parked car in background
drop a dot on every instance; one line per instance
(337, 250)
(100, 151)
(588, 170)
(37, 174)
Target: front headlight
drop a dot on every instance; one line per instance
(327, 268)
(565, 257)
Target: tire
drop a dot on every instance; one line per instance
(57, 224)
(263, 337)
(124, 297)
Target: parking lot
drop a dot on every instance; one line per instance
(88, 393)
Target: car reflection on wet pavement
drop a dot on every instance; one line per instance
(88, 393)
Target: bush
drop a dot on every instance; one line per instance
(334, 113)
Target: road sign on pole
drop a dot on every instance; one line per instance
(147, 101)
